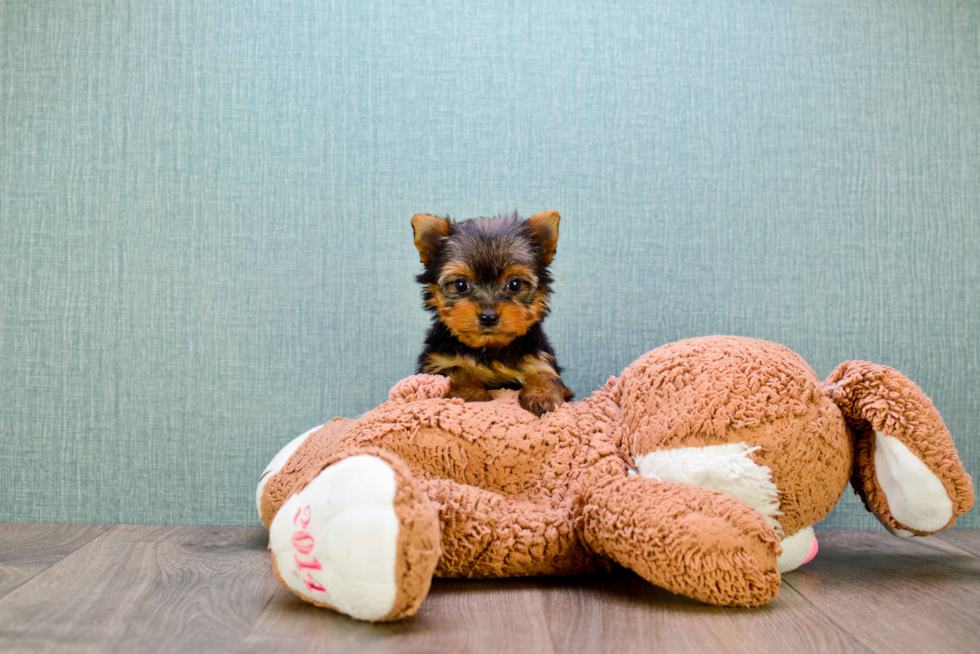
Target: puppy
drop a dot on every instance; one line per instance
(487, 284)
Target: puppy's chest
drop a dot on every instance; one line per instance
(504, 372)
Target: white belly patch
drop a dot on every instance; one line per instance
(724, 468)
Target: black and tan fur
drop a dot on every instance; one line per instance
(487, 283)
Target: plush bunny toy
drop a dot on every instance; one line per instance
(702, 468)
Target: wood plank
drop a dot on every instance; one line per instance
(176, 589)
(504, 615)
(135, 588)
(895, 595)
(619, 612)
(967, 540)
(623, 613)
(28, 549)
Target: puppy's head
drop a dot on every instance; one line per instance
(487, 279)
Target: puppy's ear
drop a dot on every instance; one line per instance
(428, 231)
(543, 228)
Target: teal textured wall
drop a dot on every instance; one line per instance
(205, 243)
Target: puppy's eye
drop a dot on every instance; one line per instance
(461, 285)
(514, 285)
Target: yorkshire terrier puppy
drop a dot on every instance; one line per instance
(487, 283)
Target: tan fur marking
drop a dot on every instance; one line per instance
(456, 269)
(515, 320)
(463, 320)
(519, 271)
(540, 305)
(538, 365)
(544, 230)
(457, 366)
(533, 370)
(436, 299)
(428, 232)
(437, 363)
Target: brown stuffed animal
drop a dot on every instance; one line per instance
(702, 468)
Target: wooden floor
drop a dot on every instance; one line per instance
(98, 588)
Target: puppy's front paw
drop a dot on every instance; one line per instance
(468, 392)
(540, 399)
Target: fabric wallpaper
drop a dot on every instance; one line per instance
(205, 246)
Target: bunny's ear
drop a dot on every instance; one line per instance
(906, 466)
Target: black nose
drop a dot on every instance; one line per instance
(489, 318)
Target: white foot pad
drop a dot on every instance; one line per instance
(728, 469)
(798, 549)
(335, 542)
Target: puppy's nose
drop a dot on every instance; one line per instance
(489, 318)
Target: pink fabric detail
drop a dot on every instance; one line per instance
(813, 552)
(303, 542)
(302, 517)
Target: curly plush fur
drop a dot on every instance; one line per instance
(744, 448)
